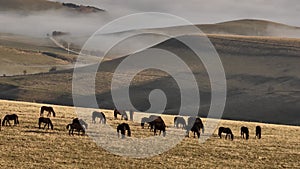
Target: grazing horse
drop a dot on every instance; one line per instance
(245, 131)
(151, 120)
(179, 120)
(194, 125)
(122, 113)
(78, 125)
(81, 122)
(123, 127)
(159, 124)
(143, 121)
(100, 115)
(9, 117)
(48, 109)
(47, 121)
(227, 131)
(258, 132)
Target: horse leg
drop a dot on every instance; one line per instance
(187, 133)
(226, 136)
(198, 134)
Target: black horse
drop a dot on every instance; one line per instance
(159, 124)
(100, 115)
(179, 120)
(227, 131)
(194, 125)
(47, 121)
(9, 117)
(123, 127)
(258, 132)
(81, 122)
(151, 120)
(245, 132)
(48, 109)
(122, 113)
(78, 125)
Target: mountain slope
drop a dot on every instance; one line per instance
(262, 77)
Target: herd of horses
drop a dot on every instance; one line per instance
(155, 124)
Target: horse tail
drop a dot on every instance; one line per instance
(69, 126)
(175, 118)
(104, 119)
(53, 112)
(203, 129)
(17, 119)
(42, 110)
(220, 131)
(115, 114)
(128, 132)
(232, 136)
(128, 129)
(3, 122)
(50, 122)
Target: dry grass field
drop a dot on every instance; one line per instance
(26, 146)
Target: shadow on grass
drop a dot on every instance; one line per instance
(41, 131)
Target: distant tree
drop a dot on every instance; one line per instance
(4, 75)
(24, 72)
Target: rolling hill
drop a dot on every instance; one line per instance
(262, 80)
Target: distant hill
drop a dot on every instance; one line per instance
(26, 6)
(251, 27)
(245, 27)
(262, 80)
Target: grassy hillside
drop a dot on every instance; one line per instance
(35, 55)
(262, 80)
(251, 27)
(26, 146)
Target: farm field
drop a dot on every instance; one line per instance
(26, 146)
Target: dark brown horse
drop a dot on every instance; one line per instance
(194, 125)
(151, 120)
(78, 125)
(178, 121)
(48, 109)
(9, 117)
(100, 115)
(123, 127)
(122, 113)
(159, 124)
(258, 132)
(245, 132)
(227, 131)
(47, 121)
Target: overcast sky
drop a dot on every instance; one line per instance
(207, 11)
(195, 11)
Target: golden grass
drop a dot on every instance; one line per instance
(26, 146)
